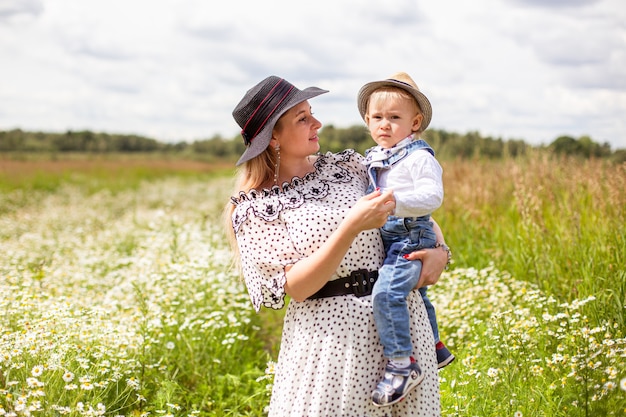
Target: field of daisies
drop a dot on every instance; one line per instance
(123, 302)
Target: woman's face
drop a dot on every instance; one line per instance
(296, 131)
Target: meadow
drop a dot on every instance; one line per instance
(117, 295)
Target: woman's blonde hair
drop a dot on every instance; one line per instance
(252, 174)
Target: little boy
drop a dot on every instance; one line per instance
(396, 113)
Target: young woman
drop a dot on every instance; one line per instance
(304, 227)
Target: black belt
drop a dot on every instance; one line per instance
(359, 283)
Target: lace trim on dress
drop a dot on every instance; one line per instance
(269, 202)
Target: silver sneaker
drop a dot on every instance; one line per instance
(396, 384)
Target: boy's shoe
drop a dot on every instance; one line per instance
(444, 356)
(397, 383)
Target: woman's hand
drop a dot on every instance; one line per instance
(371, 211)
(434, 261)
(309, 274)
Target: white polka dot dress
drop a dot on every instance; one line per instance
(330, 356)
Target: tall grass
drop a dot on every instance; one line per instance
(541, 333)
(116, 296)
(557, 223)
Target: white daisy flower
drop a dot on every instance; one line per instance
(37, 370)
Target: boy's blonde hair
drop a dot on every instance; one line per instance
(386, 94)
(392, 94)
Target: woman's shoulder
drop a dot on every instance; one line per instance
(336, 164)
(268, 203)
(323, 171)
(342, 156)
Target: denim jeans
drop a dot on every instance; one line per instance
(397, 278)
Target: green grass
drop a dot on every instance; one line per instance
(94, 172)
(559, 224)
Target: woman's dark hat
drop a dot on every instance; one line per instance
(399, 80)
(262, 106)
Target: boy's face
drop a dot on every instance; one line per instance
(390, 120)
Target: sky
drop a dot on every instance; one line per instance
(173, 70)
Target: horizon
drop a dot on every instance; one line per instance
(530, 70)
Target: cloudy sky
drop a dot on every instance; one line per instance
(174, 69)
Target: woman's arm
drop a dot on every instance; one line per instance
(434, 261)
(307, 276)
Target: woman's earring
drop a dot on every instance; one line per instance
(277, 163)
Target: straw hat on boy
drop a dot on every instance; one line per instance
(400, 80)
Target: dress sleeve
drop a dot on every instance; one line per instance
(266, 249)
(273, 229)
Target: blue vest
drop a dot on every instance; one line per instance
(372, 169)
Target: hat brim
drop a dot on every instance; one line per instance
(366, 91)
(262, 140)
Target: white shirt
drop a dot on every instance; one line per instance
(416, 182)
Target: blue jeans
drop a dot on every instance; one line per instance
(397, 278)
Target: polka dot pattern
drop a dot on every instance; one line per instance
(330, 357)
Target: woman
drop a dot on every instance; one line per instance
(304, 228)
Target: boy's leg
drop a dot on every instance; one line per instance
(395, 280)
(444, 356)
(391, 313)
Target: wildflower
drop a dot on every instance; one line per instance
(62, 410)
(34, 383)
(611, 372)
(170, 345)
(38, 393)
(518, 414)
(536, 370)
(622, 384)
(133, 382)
(34, 406)
(556, 358)
(37, 371)
(20, 404)
(68, 376)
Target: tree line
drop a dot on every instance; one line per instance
(448, 145)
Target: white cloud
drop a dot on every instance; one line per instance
(174, 69)
(10, 9)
